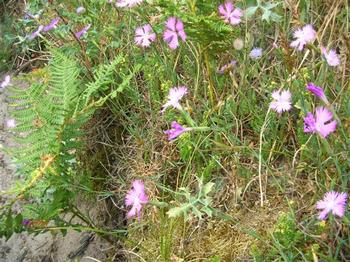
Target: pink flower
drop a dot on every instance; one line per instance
(6, 82)
(332, 202)
(331, 57)
(303, 36)
(136, 197)
(174, 29)
(83, 31)
(176, 130)
(230, 14)
(144, 35)
(281, 101)
(321, 124)
(127, 3)
(51, 25)
(174, 97)
(317, 91)
(36, 33)
(11, 123)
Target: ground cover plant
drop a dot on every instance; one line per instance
(218, 130)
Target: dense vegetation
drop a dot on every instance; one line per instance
(214, 131)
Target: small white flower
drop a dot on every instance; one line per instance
(281, 101)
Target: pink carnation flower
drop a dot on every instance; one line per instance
(6, 82)
(174, 97)
(331, 57)
(176, 130)
(317, 91)
(144, 35)
(303, 36)
(36, 33)
(230, 14)
(174, 30)
(332, 202)
(136, 197)
(127, 3)
(51, 25)
(83, 31)
(281, 101)
(322, 124)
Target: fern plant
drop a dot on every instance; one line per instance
(50, 116)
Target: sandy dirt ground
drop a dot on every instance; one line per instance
(44, 247)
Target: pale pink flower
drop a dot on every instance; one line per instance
(144, 35)
(136, 197)
(322, 124)
(331, 57)
(281, 101)
(332, 202)
(174, 29)
(230, 14)
(303, 36)
(176, 130)
(83, 31)
(10, 123)
(174, 97)
(6, 82)
(127, 3)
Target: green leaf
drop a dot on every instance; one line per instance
(178, 211)
(250, 11)
(207, 188)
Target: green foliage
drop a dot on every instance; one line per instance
(50, 117)
(198, 205)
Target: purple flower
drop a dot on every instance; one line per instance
(127, 3)
(136, 197)
(174, 29)
(174, 97)
(11, 123)
(281, 101)
(36, 33)
(80, 10)
(317, 91)
(176, 130)
(226, 67)
(52, 25)
(83, 31)
(144, 35)
(303, 36)
(6, 82)
(332, 202)
(322, 124)
(26, 222)
(331, 57)
(230, 14)
(255, 53)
